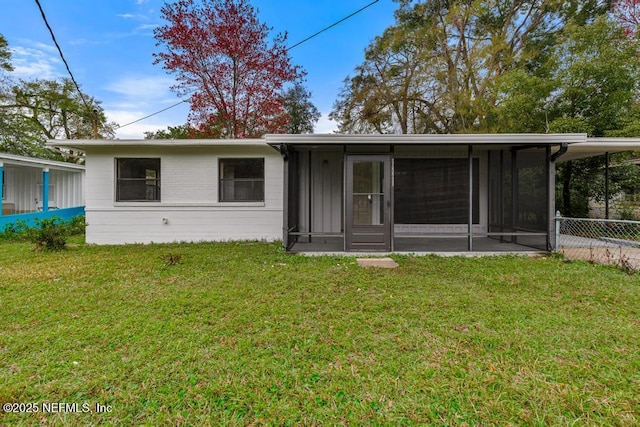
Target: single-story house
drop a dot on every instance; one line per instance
(33, 188)
(410, 193)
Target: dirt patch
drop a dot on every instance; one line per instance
(628, 258)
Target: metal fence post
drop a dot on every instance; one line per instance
(556, 243)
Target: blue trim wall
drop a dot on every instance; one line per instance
(30, 218)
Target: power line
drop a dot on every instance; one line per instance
(53, 37)
(333, 25)
(153, 114)
(288, 49)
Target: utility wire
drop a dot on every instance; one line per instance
(53, 37)
(153, 114)
(333, 25)
(288, 49)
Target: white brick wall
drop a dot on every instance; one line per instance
(189, 209)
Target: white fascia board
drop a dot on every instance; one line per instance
(83, 144)
(428, 139)
(13, 159)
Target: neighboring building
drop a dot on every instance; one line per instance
(408, 193)
(33, 188)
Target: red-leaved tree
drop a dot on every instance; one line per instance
(628, 14)
(218, 51)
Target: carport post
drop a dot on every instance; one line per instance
(45, 189)
(1, 184)
(606, 185)
(556, 243)
(470, 216)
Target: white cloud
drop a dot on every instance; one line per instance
(126, 15)
(147, 26)
(143, 89)
(139, 2)
(138, 96)
(35, 62)
(136, 130)
(325, 125)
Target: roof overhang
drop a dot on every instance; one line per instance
(579, 146)
(12, 159)
(599, 146)
(427, 139)
(84, 144)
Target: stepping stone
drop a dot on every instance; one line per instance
(377, 262)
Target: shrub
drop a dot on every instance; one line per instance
(50, 231)
(49, 234)
(76, 225)
(627, 211)
(15, 231)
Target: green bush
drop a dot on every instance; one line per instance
(76, 225)
(49, 234)
(15, 231)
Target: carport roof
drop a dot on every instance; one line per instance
(13, 159)
(598, 146)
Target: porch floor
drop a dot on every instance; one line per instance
(441, 245)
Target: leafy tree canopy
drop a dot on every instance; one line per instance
(438, 70)
(303, 115)
(219, 50)
(34, 111)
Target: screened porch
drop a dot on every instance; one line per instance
(418, 197)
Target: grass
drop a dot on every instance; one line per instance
(245, 334)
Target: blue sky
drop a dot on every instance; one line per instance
(109, 45)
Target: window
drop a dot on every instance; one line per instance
(4, 186)
(241, 180)
(137, 180)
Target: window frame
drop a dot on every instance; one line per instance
(157, 185)
(222, 180)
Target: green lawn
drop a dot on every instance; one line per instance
(243, 333)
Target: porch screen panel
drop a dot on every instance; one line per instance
(531, 189)
(500, 192)
(495, 191)
(434, 191)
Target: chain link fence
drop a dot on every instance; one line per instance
(601, 241)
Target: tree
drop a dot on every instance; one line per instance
(437, 70)
(302, 113)
(36, 111)
(390, 92)
(5, 55)
(219, 51)
(176, 132)
(597, 81)
(172, 132)
(627, 12)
